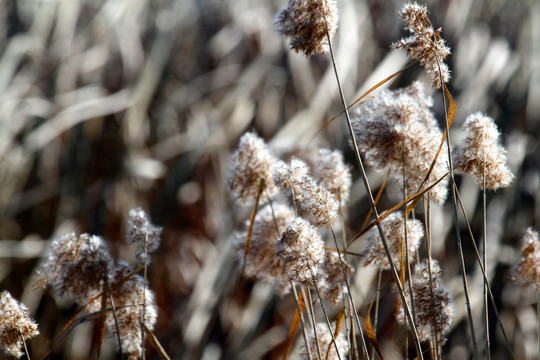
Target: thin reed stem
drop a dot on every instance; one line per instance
(302, 321)
(456, 218)
(538, 317)
(461, 256)
(371, 201)
(24, 345)
(324, 312)
(484, 260)
(478, 258)
(364, 345)
(407, 266)
(377, 302)
(145, 275)
(115, 318)
(314, 323)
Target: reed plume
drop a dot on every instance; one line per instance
(433, 304)
(481, 155)
(251, 163)
(306, 22)
(16, 326)
(424, 44)
(398, 126)
(393, 227)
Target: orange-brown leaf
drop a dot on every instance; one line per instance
(371, 333)
(294, 326)
(156, 344)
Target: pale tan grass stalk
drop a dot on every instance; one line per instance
(302, 321)
(349, 293)
(371, 201)
(324, 312)
(15, 326)
(313, 321)
(484, 262)
(482, 269)
(115, 317)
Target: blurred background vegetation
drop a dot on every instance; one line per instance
(107, 105)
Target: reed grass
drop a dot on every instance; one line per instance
(112, 107)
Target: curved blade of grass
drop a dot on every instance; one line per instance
(373, 88)
(156, 344)
(100, 326)
(294, 326)
(451, 114)
(482, 268)
(376, 200)
(371, 333)
(250, 228)
(394, 208)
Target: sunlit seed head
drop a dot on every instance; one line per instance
(481, 155)
(305, 23)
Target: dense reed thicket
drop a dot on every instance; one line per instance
(286, 179)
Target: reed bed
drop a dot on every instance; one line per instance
(269, 180)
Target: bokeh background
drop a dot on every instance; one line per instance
(107, 105)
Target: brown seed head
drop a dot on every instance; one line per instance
(14, 323)
(328, 350)
(398, 125)
(307, 194)
(332, 173)
(76, 266)
(249, 164)
(481, 153)
(303, 22)
(333, 285)
(433, 303)
(527, 271)
(127, 292)
(425, 44)
(143, 234)
(301, 250)
(261, 262)
(393, 229)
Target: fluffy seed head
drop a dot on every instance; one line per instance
(127, 292)
(249, 164)
(261, 262)
(398, 125)
(481, 153)
(433, 303)
(303, 22)
(301, 250)
(14, 323)
(76, 266)
(307, 194)
(333, 174)
(394, 231)
(332, 284)
(143, 234)
(328, 350)
(527, 271)
(424, 44)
